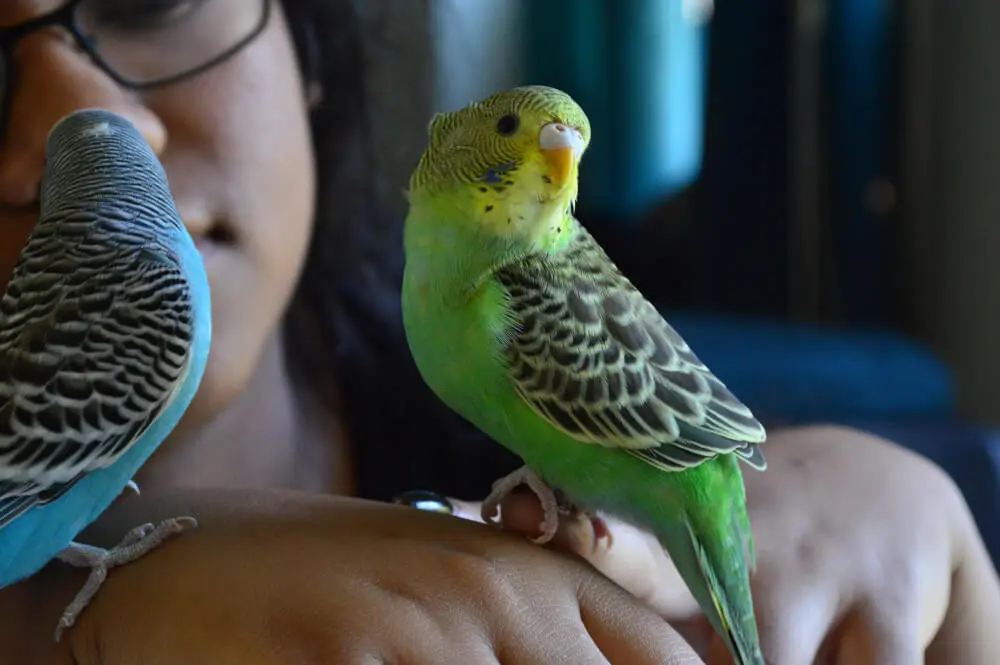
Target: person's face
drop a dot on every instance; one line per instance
(235, 144)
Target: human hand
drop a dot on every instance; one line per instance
(272, 577)
(866, 553)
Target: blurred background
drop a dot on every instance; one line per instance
(809, 189)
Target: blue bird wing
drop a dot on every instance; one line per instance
(94, 343)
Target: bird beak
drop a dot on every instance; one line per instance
(561, 147)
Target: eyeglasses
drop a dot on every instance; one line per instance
(145, 43)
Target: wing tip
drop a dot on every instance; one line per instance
(753, 456)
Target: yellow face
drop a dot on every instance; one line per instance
(513, 153)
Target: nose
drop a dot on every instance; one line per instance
(54, 79)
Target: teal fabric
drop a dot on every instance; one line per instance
(639, 69)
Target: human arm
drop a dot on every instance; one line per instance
(276, 577)
(862, 546)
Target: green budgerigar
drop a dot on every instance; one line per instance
(519, 321)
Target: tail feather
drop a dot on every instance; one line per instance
(717, 573)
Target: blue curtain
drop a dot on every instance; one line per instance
(639, 68)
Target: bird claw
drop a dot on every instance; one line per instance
(507, 484)
(132, 486)
(137, 534)
(137, 543)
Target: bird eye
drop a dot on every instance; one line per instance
(507, 125)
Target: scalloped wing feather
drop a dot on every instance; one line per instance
(93, 347)
(593, 357)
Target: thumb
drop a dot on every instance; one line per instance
(521, 512)
(874, 634)
(632, 557)
(626, 554)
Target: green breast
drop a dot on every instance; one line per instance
(457, 346)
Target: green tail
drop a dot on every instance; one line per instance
(716, 570)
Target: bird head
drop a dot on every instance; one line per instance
(513, 158)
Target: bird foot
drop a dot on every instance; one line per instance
(567, 507)
(137, 543)
(507, 484)
(132, 486)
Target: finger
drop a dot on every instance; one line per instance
(521, 512)
(874, 635)
(630, 556)
(635, 560)
(558, 636)
(628, 633)
(552, 647)
(968, 632)
(467, 510)
(793, 620)
(698, 632)
(467, 648)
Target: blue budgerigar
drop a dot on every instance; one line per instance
(104, 335)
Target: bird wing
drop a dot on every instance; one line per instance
(94, 344)
(594, 358)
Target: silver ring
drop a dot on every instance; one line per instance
(425, 500)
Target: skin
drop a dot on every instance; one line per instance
(216, 135)
(225, 174)
(929, 583)
(216, 140)
(316, 613)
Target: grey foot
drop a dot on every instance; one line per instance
(137, 543)
(525, 476)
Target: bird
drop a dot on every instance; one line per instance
(105, 329)
(519, 321)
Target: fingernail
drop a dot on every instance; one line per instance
(601, 531)
(425, 500)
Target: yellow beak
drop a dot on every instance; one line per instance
(561, 146)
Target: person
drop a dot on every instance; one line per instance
(866, 553)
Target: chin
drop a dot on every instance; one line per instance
(227, 375)
(239, 339)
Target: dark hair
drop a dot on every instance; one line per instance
(344, 335)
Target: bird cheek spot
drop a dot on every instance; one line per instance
(488, 208)
(495, 175)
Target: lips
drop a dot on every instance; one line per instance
(208, 234)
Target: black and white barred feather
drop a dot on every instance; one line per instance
(597, 360)
(96, 322)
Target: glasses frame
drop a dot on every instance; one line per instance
(65, 17)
